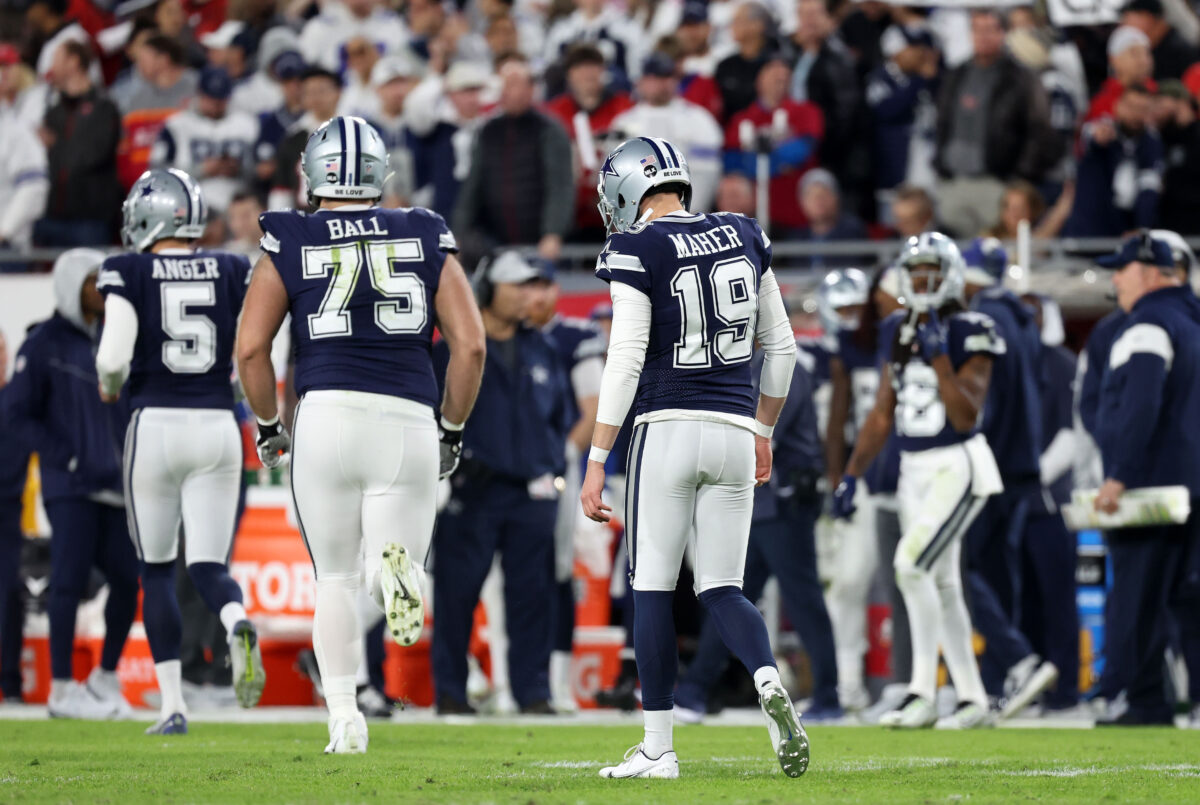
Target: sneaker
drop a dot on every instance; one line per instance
(854, 700)
(914, 712)
(824, 714)
(106, 686)
(638, 764)
(73, 700)
(347, 736)
(373, 704)
(174, 724)
(1025, 682)
(967, 716)
(249, 678)
(788, 738)
(621, 696)
(1193, 721)
(306, 663)
(401, 588)
(541, 707)
(447, 706)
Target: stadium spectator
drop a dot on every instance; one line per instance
(319, 94)
(441, 38)
(262, 92)
(661, 112)
(1171, 53)
(1179, 207)
(14, 466)
(1120, 172)
(912, 211)
(897, 92)
(790, 131)
(358, 95)
(393, 79)
(1028, 48)
(228, 48)
(24, 184)
(244, 231)
(324, 39)
(737, 75)
(828, 220)
(519, 187)
(81, 132)
(862, 29)
(444, 115)
(273, 126)
(735, 193)
(503, 500)
(52, 23)
(1023, 202)
(993, 125)
(586, 111)
(52, 400)
(699, 63)
(604, 26)
(21, 98)
(1130, 62)
(824, 74)
(208, 142)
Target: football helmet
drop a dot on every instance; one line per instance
(345, 158)
(841, 288)
(942, 284)
(163, 203)
(633, 169)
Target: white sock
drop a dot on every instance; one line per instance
(658, 732)
(767, 675)
(170, 686)
(924, 616)
(231, 613)
(341, 696)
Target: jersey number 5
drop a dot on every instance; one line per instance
(731, 287)
(193, 348)
(403, 309)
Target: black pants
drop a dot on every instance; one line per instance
(12, 602)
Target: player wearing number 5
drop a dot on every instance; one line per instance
(365, 287)
(691, 294)
(937, 363)
(170, 314)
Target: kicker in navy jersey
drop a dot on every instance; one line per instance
(360, 286)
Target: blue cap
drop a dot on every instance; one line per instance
(215, 83)
(694, 11)
(288, 65)
(659, 64)
(1142, 248)
(546, 268)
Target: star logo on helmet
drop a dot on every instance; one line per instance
(607, 169)
(148, 189)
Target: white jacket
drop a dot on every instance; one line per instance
(690, 128)
(24, 183)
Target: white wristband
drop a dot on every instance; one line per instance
(447, 425)
(268, 423)
(765, 431)
(598, 454)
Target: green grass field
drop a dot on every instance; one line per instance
(112, 762)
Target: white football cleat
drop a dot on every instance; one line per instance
(1025, 682)
(637, 764)
(401, 588)
(74, 700)
(106, 686)
(914, 712)
(347, 736)
(789, 741)
(967, 716)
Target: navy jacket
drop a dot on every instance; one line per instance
(797, 442)
(53, 400)
(1133, 164)
(1151, 393)
(519, 425)
(1096, 355)
(14, 460)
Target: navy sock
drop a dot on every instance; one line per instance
(740, 625)
(215, 585)
(657, 652)
(160, 611)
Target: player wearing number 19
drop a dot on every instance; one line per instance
(691, 294)
(365, 287)
(170, 313)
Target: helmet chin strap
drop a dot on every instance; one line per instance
(646, 216)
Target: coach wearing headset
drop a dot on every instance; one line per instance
(504, 494)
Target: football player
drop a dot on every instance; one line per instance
(691, 294)
(170, 315)
(932, 388)
(365, 287)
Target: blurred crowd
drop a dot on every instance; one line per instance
(863, 119)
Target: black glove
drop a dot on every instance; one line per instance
(451, 448)
(273, 444)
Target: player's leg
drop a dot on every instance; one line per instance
(847, 598)
(724, 507)
(329, 513)
(956, 635)
(209, 509)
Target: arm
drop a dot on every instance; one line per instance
(774, 332)
(873, 434)
(263, 312)
(24, 408)
(459, 322)
(965, 391)
(25, 204)
(1140, 361)
(1149, 183)
(835, 431)
(116, 346)
(585, 380)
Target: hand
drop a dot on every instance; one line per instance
(762, 460)
(1103, 132)
(1109, 496)
(843, 498)
(932, 337)
(550, 247)
(451, 448)
(106, 397)
(590, 496)
(274, 444)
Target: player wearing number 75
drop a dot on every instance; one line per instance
(170, 313)
(936, 363)
(364, 287)
(691, 294)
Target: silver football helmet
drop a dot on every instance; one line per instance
(841, 288)
(931, 249)
(345, 158)
(163, 203)
(634, 168)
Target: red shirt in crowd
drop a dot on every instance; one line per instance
(563, 109)
(804, 123)
(1105, 100)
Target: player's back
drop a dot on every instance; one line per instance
(187, 305)
(701, 274)
(361, 283)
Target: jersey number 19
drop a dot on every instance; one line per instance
(731, 291)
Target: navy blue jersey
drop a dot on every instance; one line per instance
(187, 307)
(575, 340)
(862, 370)
(701, 273)
(360, 287)
(920, 420)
